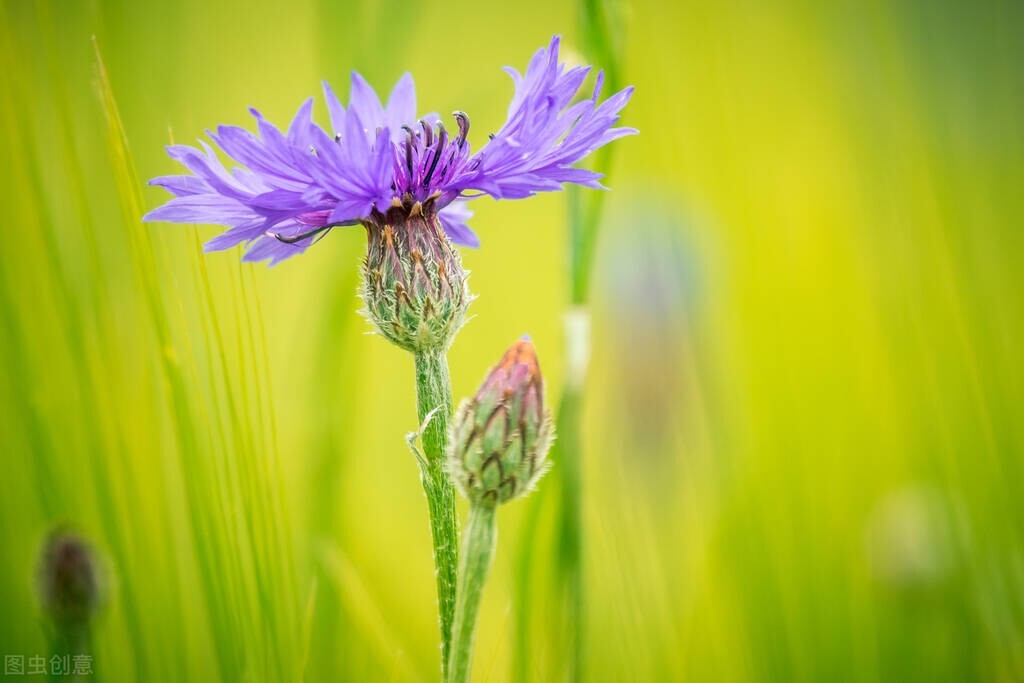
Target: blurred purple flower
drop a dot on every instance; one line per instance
(291, 187)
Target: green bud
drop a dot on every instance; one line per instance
(414, 285)
(500, 436)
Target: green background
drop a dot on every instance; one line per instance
(804, 432)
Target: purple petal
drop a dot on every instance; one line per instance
(401, 107)
(363, 102)
(544, 134)
(285, 177)
(334, 108)
(350, 210)
(271, 249)
(300, 132)
(454, 220)
(201, 208)
(246, 232)
(181, 185)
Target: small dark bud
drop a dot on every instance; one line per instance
(68, 581)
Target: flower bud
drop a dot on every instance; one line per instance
(500, 436)
(413, 282)
(68, 581)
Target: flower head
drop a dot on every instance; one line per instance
(500, 437)
(291, 187)
(414, 286)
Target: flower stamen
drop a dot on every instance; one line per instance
(463, 120)
(441, 140)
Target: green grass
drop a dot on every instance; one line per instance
(802, 443)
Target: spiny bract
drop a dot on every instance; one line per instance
(500, 436)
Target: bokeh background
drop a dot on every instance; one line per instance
(803, 428)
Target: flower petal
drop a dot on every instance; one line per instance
(401, 107)
(544, 135)
(364, 104)
(455, 221)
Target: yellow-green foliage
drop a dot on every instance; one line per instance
(804, 432)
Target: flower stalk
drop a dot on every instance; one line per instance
(416, 296)
(434, 406)
(479, 541)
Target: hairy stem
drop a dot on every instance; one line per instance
(434, 398)
(477, 552)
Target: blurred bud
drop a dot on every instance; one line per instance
(910, 538)
(653, 324)
(68, 581)
(414, 285)
(500, 437)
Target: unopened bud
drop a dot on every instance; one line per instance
(68, 581)
(414, 285)
(500, 437)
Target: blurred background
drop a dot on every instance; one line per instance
(803, 429)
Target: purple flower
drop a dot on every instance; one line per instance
(290, 187)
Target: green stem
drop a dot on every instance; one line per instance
(477, 552)
(434, 393)
(584, 221)
(70, 642)
(570, 531)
